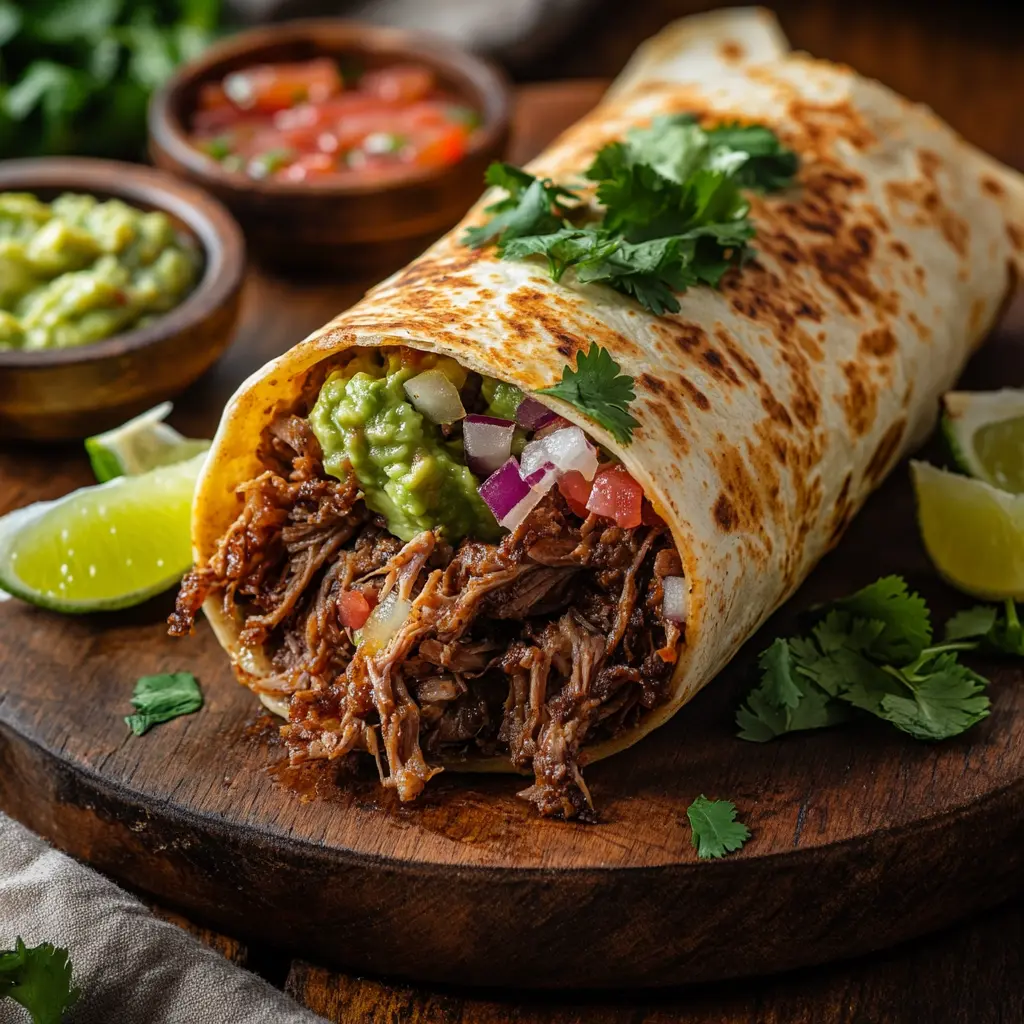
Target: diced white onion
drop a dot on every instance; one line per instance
(564, 450)
(488, 442)
(384, 622)
(677, 598)
(434, 395)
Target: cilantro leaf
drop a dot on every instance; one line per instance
(716, 831)
(39, 979)
(907, 629)
(600, 390)
(770, 165)
(161, 698)
(789, 698)
(998, 634)
(943, 702)
(533, 206)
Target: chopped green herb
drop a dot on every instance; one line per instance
(716, 831)
(267, 163)
(218, 148)
(674, 214)
(873, 652)
(464, 115)
(533, 206)
(39, 979)
(997, 634)
(160, 698)
(599, 389)
(76, 75)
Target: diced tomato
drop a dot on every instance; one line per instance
(273, 87)
(616, 495)
(309, 167)
(353, 609)
(576, 488)
(213, 97)
(400, 83)
(648, 516)
(446, 146)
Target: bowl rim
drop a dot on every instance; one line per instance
(491, 86)
(213, 227)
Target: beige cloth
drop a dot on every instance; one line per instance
(132, 967)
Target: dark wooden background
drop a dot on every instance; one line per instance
(966, 61)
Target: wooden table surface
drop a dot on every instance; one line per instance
(967, 61)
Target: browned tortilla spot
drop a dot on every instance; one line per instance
(725, 514)
(879, 342)
(887, 449)
(860, 400)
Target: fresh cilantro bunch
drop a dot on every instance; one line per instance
(76, 75)
(38, 979)
(995, 633)
(674, 213)
(871, 652)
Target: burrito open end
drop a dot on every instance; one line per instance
(380, 585)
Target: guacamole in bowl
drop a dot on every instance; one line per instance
(80, 269)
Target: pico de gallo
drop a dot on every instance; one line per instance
(309, 121)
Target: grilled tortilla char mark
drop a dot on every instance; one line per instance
(528, 649)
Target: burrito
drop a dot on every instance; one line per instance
(512, 510)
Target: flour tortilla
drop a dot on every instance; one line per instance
(768, 410)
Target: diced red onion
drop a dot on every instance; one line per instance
(508, 495)
(562, 450)
(532, 415)
(555, 423)
(677, 598)
(488, 442)
(434, 395)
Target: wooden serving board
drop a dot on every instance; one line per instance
(862, 837)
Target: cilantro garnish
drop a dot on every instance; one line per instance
(600, 390)
(533, 206)
(872, 651)
(160, 698)
(997, 634)
(39, 979)
(716, 831)
(674, 214)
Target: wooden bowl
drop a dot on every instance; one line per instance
(58, 394)
(325, 226)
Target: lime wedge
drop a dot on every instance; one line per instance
(103, 547)
(985, 433)
(974, 533)
(139, 445)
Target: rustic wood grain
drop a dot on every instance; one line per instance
(969, 975)
(861, 837)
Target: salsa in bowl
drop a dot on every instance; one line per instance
(338, 146)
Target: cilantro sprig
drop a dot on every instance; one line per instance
(674, 214)
(39, 979)
(161, 698)
(871, 652)
(716, 831)
(995, 633)
(599, 389)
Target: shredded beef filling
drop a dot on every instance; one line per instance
(529, 649)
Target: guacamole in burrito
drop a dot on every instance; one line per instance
(517, 506)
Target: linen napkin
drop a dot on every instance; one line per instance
(131, 967)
